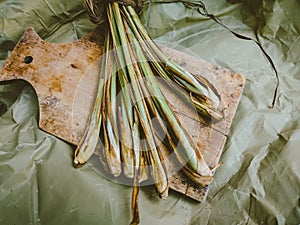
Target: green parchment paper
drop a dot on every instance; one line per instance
(259, 182)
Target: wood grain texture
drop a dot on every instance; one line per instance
(65, 78)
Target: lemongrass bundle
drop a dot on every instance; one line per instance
(129, 96)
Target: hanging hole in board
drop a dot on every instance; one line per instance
(28, 59)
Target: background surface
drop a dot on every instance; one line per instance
(259, 182)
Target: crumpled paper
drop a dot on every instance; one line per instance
(259, 182)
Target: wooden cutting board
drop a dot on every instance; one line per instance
(65, 78)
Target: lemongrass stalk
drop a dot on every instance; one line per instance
(88, 143)
(106, 146)
(157, 170)
(109, 128)
(136, 142)
(141, 162)
(127, 152)
(114, 151)
(114, 139)
(111, 152)
(159, 179)
(137, 171)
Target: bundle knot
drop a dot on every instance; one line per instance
(97, 8)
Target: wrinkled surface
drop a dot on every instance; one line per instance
(259, 182)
